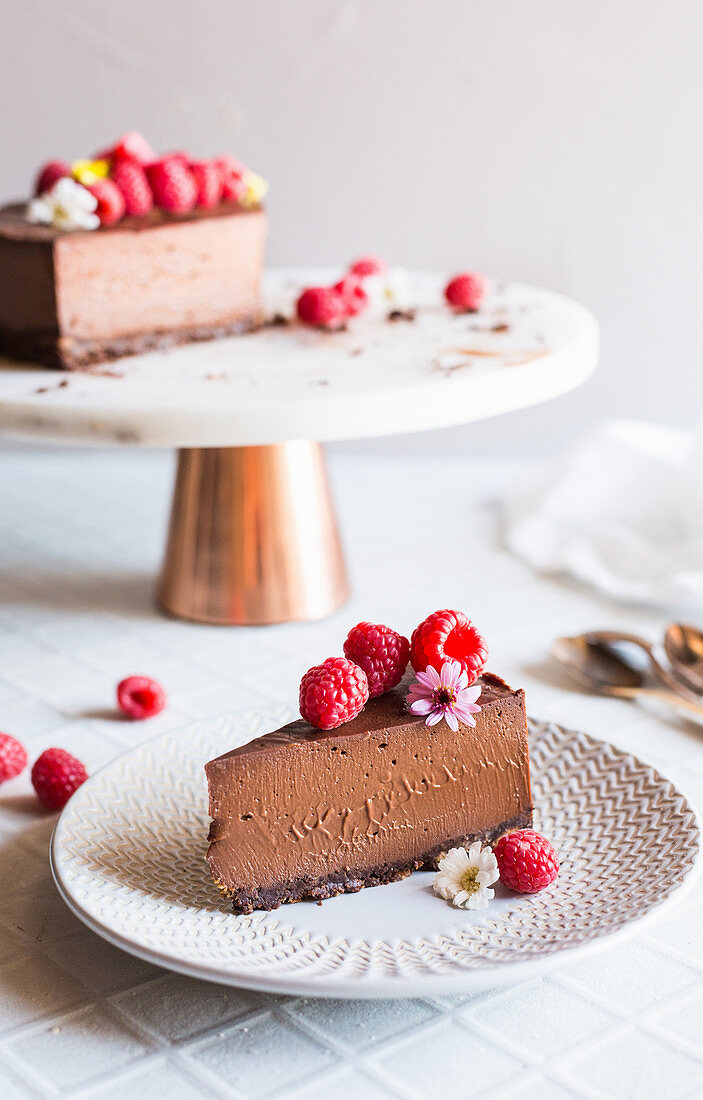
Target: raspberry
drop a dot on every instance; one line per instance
(208, 182)
(367, 265)
(350, 289)
(173, 185)
(133, 146)
(333, 693)
(179, 155)
(381, 652)
(232, 175)
(13, 758)
(322, 307)
(140, 697)
(111, 203)
(465, 292)
(55, 776)
(129, 176)
(448, 636)
(49, 174)
(526, 861)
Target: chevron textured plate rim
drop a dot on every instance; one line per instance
(127, 857)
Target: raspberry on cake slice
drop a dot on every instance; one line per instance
(381, 652)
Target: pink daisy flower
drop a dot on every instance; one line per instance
(444, 694)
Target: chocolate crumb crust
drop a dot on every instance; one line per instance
(302, 889)
(73, 354)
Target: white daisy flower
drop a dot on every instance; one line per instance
(388, 290)
(464, 878)
(68, 205)
(280, 302)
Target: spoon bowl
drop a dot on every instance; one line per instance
(595, 664)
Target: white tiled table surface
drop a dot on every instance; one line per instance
(80, 541)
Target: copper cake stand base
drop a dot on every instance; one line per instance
(253, 537)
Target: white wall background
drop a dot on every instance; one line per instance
(550, 141)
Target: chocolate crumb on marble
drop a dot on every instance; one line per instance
(46, 389)
(402, 315)
(101, 372)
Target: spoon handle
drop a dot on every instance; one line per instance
(673, 699)
(682, 685)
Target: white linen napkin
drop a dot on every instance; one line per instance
(622, 511)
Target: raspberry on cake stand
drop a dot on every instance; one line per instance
(253, 535)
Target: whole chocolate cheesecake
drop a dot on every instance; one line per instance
(128, 253)
(70, 299)
(309, 813)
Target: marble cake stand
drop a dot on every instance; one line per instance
(253, 536)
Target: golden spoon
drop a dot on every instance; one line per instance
(592, 662)
(614, 640)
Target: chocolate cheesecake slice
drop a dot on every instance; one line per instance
(70, 299)
(307, 813)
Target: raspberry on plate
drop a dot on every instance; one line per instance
(131, 179)
(111, 204)
(140, 697)
(352, 293)
(172, 184)
(367, 265)
(526, 861)
(49, 174)
(465, 292)
(321, 307)
(381, 652)
(13, 758)
(55, 776)
(333, 693)
(448, 636)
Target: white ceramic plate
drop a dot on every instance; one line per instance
(128, 856)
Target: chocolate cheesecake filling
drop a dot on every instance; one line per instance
(72, 299)
(303, 812)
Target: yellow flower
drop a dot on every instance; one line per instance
(255, 188)
(88, 171)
